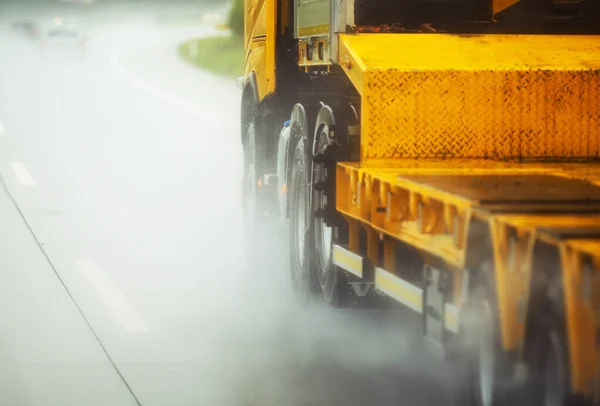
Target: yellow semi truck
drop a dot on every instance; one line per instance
(442, 154)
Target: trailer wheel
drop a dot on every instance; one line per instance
(552, 385)
(487, 367)
(484, 355)
(302, 262)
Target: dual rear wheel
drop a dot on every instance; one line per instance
(314, 274)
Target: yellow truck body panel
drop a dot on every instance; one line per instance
(488, 96)
(259, 26)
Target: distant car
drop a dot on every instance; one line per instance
(26, 27)
(61, 33)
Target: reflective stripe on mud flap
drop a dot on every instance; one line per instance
(451, 317)
(400, 290)
(348, 261)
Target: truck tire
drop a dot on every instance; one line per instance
(551, 380)
(332, 280)
(488, 370)
(253, 203)
(485, 354)
(302, 259)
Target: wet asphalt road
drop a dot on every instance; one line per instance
(122, 271)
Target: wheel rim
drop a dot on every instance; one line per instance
(553, 379)
(486, 358)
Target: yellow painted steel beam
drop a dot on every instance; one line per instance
(512, 255)
(580, 261)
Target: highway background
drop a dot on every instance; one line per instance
(123, 278)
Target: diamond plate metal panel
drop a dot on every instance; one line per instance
(491, 114)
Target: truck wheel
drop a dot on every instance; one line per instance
(552, 371)
(487, 366)
(302, 263)
(484, 357)
(331, 279)
(252, 201)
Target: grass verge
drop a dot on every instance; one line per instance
(222, 55)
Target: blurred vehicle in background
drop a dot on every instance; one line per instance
(61, 33)
(26, 27)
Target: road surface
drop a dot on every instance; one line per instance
(122, 271)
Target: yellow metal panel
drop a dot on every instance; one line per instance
(512, 266)
(443, 52)
(491, 97)
(534, 221)
(284, 16)
(361, 200)
(260, 23)
(582, 316)
(587, 334)
(584, 328)
(252, 20)
(351, 63)
(587, 247)
(499, 5)
(271, 23)
(256, 63)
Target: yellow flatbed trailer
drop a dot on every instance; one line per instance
(456, 172)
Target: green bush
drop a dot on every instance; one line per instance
(236, 18)
(221, 55)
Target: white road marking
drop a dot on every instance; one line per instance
(22, 174)
(121, 308)
(117, 66)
